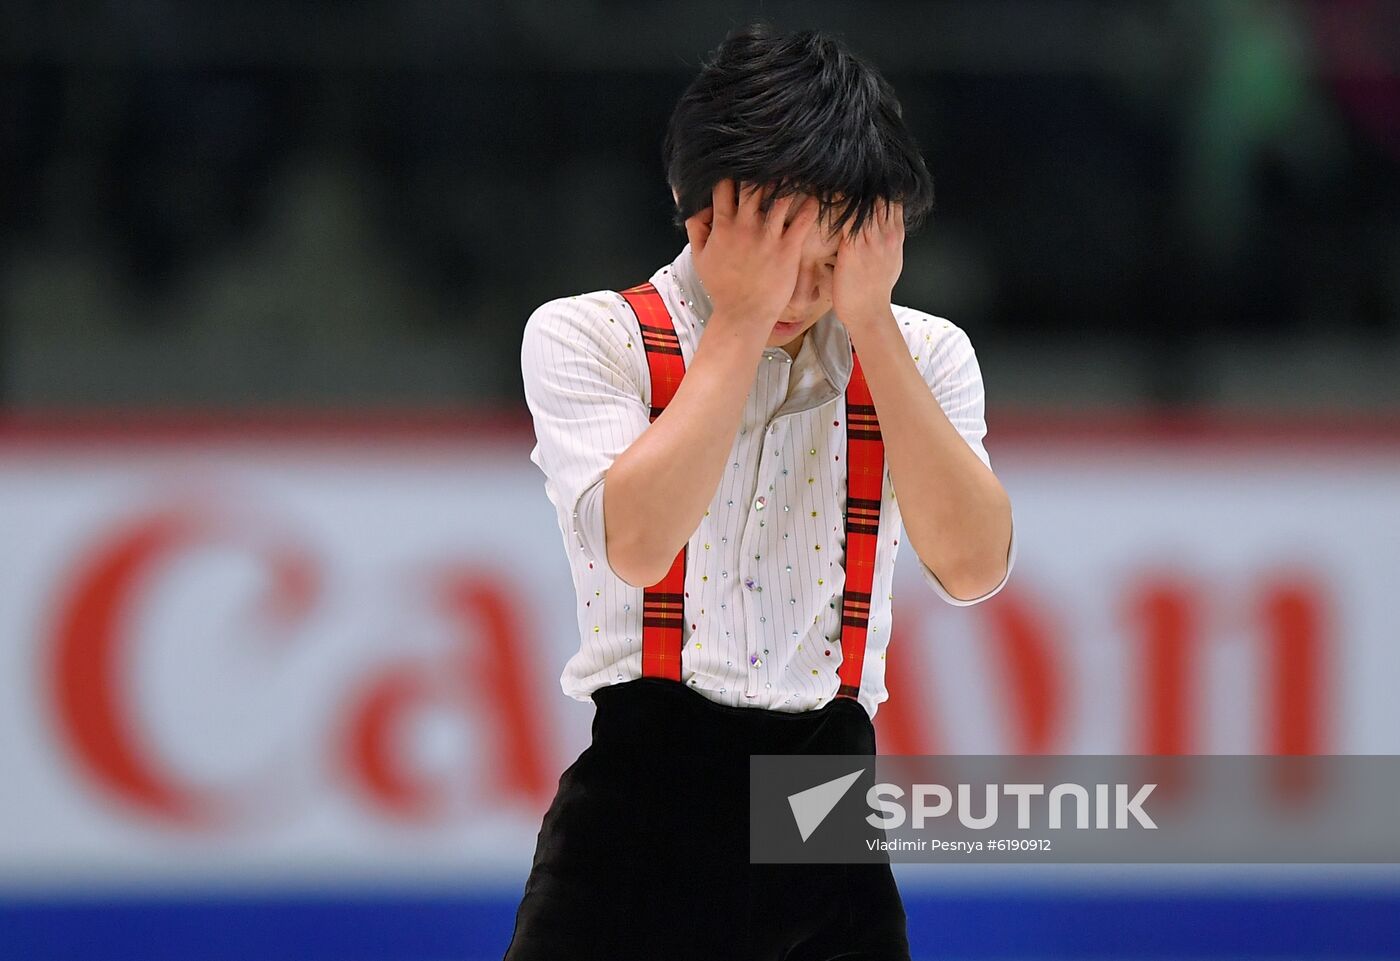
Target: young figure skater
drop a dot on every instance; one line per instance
(722, 445)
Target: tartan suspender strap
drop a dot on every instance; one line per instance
(865, 481)
(663, 603)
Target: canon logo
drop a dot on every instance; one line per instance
(101, 705)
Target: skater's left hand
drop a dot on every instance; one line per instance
(867, 267)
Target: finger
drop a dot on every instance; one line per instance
(722, 198)
(778, 215)
(852, 238)
(890, 225)
(750, 195)
(803, 221)
(698, 229)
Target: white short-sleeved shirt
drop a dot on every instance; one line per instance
(764, 577)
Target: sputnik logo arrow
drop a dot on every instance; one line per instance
(810, 807)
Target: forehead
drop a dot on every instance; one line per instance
(823, 243)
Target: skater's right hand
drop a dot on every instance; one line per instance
(748, 262)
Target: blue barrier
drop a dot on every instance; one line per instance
(396, 926)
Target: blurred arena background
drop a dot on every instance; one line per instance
(283, 604)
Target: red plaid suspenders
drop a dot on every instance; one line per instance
(663, 603)
(865, 478)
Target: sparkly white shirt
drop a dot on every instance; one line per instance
(764, 578)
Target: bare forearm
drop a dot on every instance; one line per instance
(658, 489)
(956, 514)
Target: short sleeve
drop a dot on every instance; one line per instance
(582, 365)
(951, 371)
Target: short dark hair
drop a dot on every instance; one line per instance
(799, 113)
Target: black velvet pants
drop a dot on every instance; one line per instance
(643, 854)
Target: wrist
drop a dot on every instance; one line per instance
(737, 326)
(866, 317)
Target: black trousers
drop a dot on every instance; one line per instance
(643, 854)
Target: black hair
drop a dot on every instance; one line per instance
(801, 114)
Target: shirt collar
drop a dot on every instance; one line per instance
(830, 342)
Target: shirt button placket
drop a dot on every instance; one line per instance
(755, 622)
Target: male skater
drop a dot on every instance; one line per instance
(722, 445)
